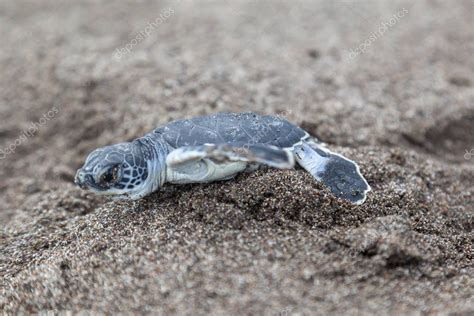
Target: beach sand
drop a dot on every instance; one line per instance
(388, 84)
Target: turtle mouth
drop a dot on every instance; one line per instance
(86, 181)
(83, 180)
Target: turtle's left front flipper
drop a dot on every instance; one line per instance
(222, 153)
(340, 174)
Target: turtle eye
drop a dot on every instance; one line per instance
(110, 176)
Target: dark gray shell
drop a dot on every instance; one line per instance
(232, 128)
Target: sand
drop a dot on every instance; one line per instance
(271, 242)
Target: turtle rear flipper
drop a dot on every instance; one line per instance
(339, 174)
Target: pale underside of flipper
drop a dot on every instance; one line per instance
(339, 174)
(222, 153)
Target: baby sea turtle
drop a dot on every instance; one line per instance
(216, 147)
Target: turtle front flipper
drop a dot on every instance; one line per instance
(210, 162)
(264, 154)
(339, 174)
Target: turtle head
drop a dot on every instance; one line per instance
(119, 170)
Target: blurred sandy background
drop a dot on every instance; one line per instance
(387, 83)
